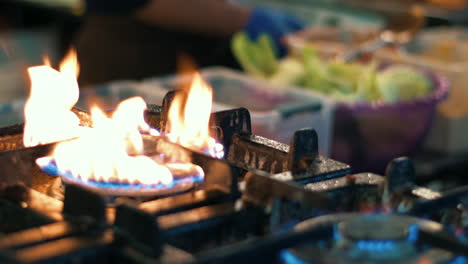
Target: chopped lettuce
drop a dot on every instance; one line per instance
(402, 83)
(290, 72)
(257, 58)
(347, 82)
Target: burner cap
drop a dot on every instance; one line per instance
(358, 238)
(374, 227)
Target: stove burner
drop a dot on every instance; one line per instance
(178, 185)
(374, 227)
(373, 238)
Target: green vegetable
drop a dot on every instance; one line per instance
(257, 58)
(348, 82)
(268, 54)
(402, 83)
(290, 71)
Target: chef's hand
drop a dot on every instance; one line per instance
(273, 22)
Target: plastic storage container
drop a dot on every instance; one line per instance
(444, 51)
(440, 50)
(367, 136)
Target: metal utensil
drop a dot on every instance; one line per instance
(399, 30)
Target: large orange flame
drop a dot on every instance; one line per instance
(112, 149)
(189, 116)
(102, 152)
(47, 112)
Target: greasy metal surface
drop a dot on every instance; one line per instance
(212, 226)
(261, 188)
(153, 116)
(14, 217)
(45, 205)
(400, 174)
(229, 123)
(25, 197)
(448, 200)
(11, 137)
(351, 180)
(255, 152)
(304, 149)
(189, 229)
(166, 104)
(139, 229)
(39, 234)
(19, 166)
(272, 144)
(182, 202)
(285, 212)
(11, 142)
(11, 130)
(321, 169)
(76, 246)
(84, 206)
(425, 193)
(196, 215)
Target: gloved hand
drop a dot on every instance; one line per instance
(274, 23)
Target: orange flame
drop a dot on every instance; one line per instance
(112, 149)
(47, 112)
(189, 116)
(46, 61)
(69, 65)
(102, 152)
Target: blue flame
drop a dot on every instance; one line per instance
(336, 234)
(287, 257)
(460, 260)
(376, 245)
(52, 169)
(413, 233)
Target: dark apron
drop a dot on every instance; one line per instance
(119, 47)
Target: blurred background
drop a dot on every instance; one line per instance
(358, 123)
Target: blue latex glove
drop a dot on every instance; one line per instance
(274, 23)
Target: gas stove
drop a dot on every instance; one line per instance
(265, 202)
